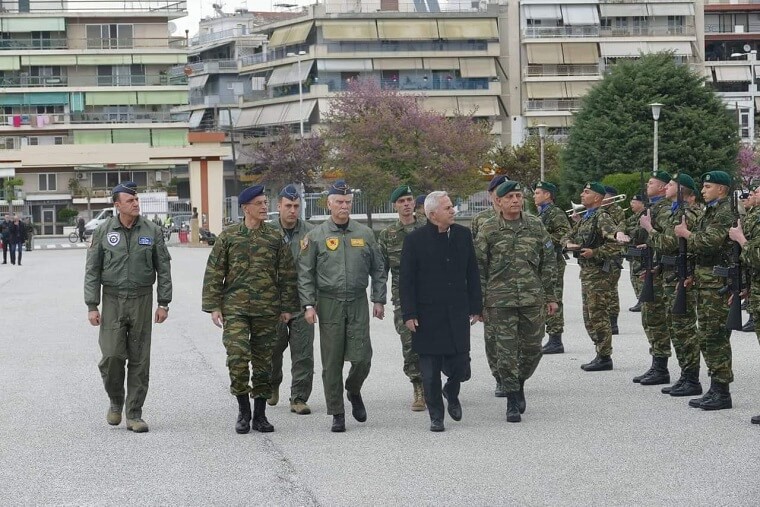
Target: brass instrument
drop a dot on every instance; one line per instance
(580, 208)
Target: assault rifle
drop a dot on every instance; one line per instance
(682, 266)
(733, 275)
(646, 254)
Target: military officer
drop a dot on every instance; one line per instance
(390, 241)
(296, 333)
(709, 242)
(248, 288)
(558, 225)
(616, 266)
(337, 258)
(126, 257)
(592, 238)
(517, 259)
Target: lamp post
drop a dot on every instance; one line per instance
(541, 140)
(656, 108)
(300, 89)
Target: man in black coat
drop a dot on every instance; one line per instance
(440, 300)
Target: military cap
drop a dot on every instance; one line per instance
(129, 184)
(719, 177)
(753, 185)
(686, 181)
(637, 197)
(401, 192)
(507, 187)
(420, 200)
(549, 187)
(595, 186)
(610, 190)
(339, 187)
(662, 176)
(496, 181)
(122, 188)
(250, 194)
(290, 192)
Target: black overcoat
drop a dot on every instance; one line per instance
(439, 286)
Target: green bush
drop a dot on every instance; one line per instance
(67, 215)
(626, 183)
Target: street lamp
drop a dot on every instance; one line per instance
(656, 108)
(300, 89)
(541, 140)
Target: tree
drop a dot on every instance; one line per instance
(523, 163)
(613, 131)
(384, 138)
(749, 169)
(288, 159)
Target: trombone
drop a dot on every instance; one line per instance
(580, 208)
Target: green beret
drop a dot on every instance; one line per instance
(507, 187)
(662, 176)
(718, 177)
(597, 187)
(400, 192)
(549, 187)
(686, 181)
(753, 185)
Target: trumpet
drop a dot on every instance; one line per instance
(580, 208)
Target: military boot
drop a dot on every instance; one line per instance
(637, 379)
(603, 363)
(554, 345)
(521, 397)
(755, 419)
(260, 422)
(338, 423)
(418, 405)
(614, 324)
(677, 385)
(357, 406)
(275, 398)
(113, 416)
(721, 398)
(137, 425)
(690, 385)
(499, 391)
(243, 424)
(636, 308)
(300, 407)
(590, 363)
(660, 373)
(513, 410)
(749, 327)
(697, 402)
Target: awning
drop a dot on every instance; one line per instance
(709, 74)
(733, 74)
(397, 63)
(248, 117)
(478, 106)
(623, 10)
(442, 105)
(345, 65)
(197, 81)
(297, 112)
(278, 36)
(678, 48)
(545, 54)
(9, 63)
(578, 88)
(582, 52)
(288, 74)
(623, 49)
(668, 9)
(393, 29)
(8, 172)
(324, 107)
(195, 118)
(349, 30)
(543, 12)
(441, 63)
(33, 24)
(41, 60)
(477, 67)
(290, 35)
(546, 90)
(549, 121)
(470, 29)
(580, 15)
(272, 115)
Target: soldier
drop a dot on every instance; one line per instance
(515, 250)
(709, 242)
(5, 235)
(682, 329)
(419, 206)
(558, 225)
(480, 218)
(752, 212)
(126, 256)
(297, 332)
(337, 259)
(391, 240)
(593, 240)
(616, 266)
(634, 265)
(248, 288)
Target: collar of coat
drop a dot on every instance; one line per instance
(334, 227)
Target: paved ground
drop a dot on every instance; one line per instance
(586, 439)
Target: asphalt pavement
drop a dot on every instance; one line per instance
(586, 438)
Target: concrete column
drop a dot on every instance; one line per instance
(207, 183)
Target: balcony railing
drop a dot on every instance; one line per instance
(55, 119)
(58, 81)
(205, 67)
(539, 32)
(416, 84)
(406, 46)
(29, 43)
(552, 104)
(34, 43)
(273, 54)
(56, 6)
(561, 70)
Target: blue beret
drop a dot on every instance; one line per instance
(420, 200)
(250, 194)
(400, 192)
(129, 184)
(595, 186)
(496, 181)
(719, 177)
(507, 187)
(339, 187)
(610, 190)
(122, 188)
(290, 192)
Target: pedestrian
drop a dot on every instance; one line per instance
(29, 233)
(391, 241)
(5, 233)
(297, 333)
(616, 265)
(168, 227)
(80, 228)
(126, 257)
(633, 230)
(710, 245)
(441, 298)
(558, 225)
(517, 260)
(248, 288)
(16, 239)
(337, 259)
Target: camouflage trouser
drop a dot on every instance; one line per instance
(518, 333)
(489, 339)
(596, 286)
(555, 324)
(300, 336)
(754, 305)
(682, 329)
(411, 359)
(635, 278)
(249, 340)
(613, 302)
(714, 338)
(655, 323)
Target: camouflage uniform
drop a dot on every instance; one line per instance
(558, 225)
(618, 215)
(251, 280)
(297, 333)
(391, 241)
(489, 341)
(637, 234)
(517, 263)
(751, 258)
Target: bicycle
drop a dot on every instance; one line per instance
(74, 237)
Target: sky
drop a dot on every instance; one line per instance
(198, 9)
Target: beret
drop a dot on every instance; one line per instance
(129, 184)
(496, 181)
(610, 190)
(339, 187)
(637, 197)
(549, 187)
(753, 185)
(420, 200)
(507, 187)
(719, 177)
(400, 192)
(125, 189)
(290, 192)
(595, 186)
(686, 181)
(662, 176)
(250, 194)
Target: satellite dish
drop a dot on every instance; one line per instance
(746, 48)
(172, 27)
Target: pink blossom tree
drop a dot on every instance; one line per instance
(747, 160)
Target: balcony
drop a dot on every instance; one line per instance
(97, 6)
(206, 67)
(273, 54)
(29, 43)
(541, 32)
(561, 70)
(420, 84)
(552, 105)
(26, 43)
(57, 120)
(406, 46)
(19, 81)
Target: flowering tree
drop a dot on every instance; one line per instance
(747, 160)
(288, 159)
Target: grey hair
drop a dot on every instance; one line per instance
(433, 201)
(332, 197)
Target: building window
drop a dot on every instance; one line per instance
(34, 141)
(47, 182)
(109, 36)
(676, 24)
(112, 178)
(58, 140)
(621, 22)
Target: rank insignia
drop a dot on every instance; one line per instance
(332, 243)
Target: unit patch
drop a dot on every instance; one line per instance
(113, 238)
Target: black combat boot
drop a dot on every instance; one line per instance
(499, 391)
(755, 419)
(749, 327)
(243, 424)
(357, 406)
(590, 363)
(636, 308)
(697, 402)
(677, 385)
(690, 385)
(721, 398)
(554, 345)
(513, 410)
(638, 378)
(521, 397)
(603, 363)
(660, 373)
(260, 422)
(338, 423)
(614, 324)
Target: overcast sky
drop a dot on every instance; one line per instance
(198, 9)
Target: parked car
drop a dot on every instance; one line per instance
(181, 222)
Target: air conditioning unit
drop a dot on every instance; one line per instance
(80, 175)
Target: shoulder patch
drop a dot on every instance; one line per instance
(113, 238)
(549, 245)
(304, 243)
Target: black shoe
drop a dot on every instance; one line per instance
(590, 363)
(690, 385)
(614, 325)
(637, 379)
(677, 385)
(499, 392)
(357, 406)
(755, 419)
(260, 422)
(521, 397)
(603, 364)
(436, 425)
(243, 424)
(339, 423)
(454, 408)
(749, 327)
(635, 308)
(721, 398)
(554, 345)
(659, 375)
(513, 411)
(697, 402)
